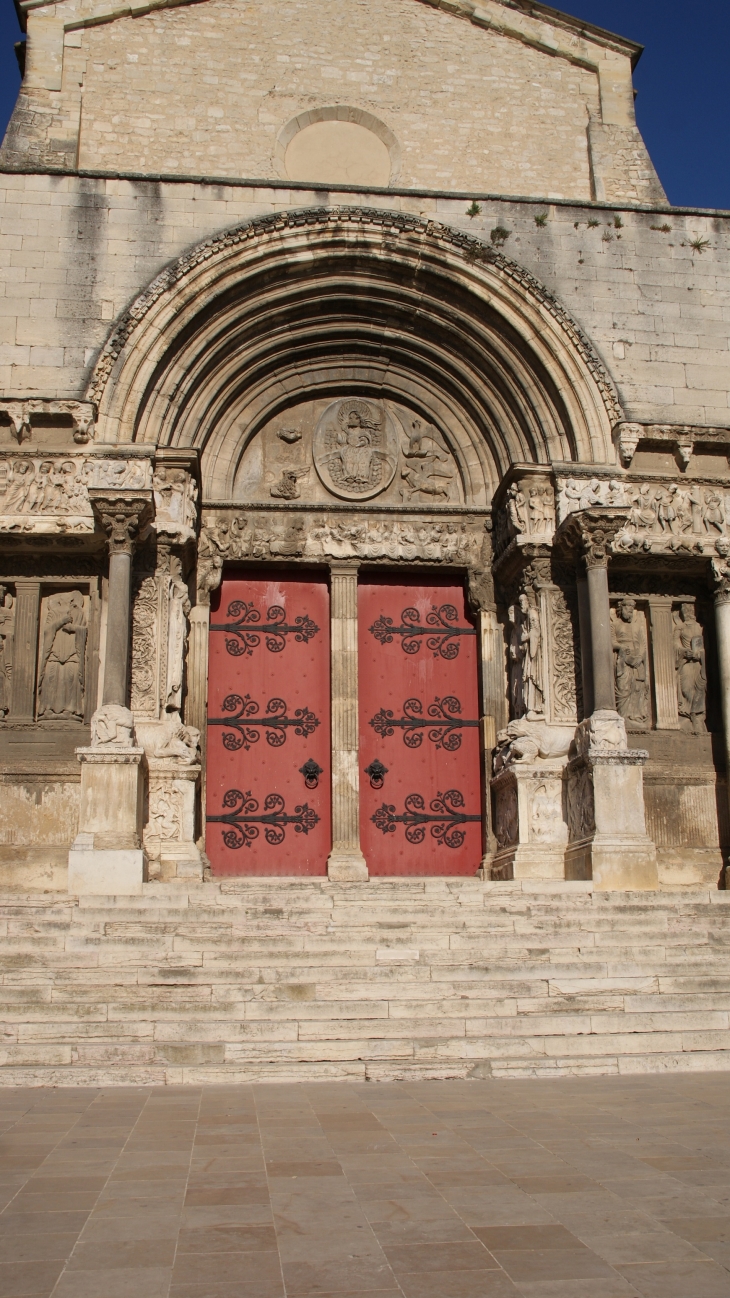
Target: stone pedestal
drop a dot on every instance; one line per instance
(169, 835)
(529, 821)
(107, 857)
(607, 827)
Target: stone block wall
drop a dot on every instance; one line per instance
(502, 102)
(75, 251)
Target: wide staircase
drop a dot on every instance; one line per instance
(278, 979)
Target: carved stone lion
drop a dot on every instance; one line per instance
(531, 741)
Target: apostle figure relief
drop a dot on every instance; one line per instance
(689, 657)
(7, 620)
(61, 677)
(630, 663)
(527, 690)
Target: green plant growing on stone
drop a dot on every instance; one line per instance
(665, 229)
(593, 223)
(474, 209)
(541, 219)
(607, 237)
(618, 223)
(499, 236)
(699, 244)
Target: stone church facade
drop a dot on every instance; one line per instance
(364, 436)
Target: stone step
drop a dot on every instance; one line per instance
(245, 980)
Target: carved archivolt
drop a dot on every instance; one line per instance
(239, 366)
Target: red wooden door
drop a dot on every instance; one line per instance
(268, 716)
(419, 718)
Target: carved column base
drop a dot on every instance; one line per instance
(530, 823)
(347, 867)
(608, 839)
(106, 857)
(169, 835)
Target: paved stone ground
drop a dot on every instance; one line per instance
(578, 1188)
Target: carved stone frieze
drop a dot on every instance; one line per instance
(28, 413)
(51, 493)
(661, 516)
(230, 535)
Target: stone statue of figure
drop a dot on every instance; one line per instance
(7, 620)
(533, 689)
(630, 665)
(689, 658)
(516, 510)
(63, 657)
(177, 630)
(515, 664)
(355, 452)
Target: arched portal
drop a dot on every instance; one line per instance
(357, 385)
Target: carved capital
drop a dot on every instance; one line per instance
(592, 532)
(122, 518)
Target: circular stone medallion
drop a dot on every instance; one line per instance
(355, 448)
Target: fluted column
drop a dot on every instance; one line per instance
(25, 650)
(196, 708)
(346, 861)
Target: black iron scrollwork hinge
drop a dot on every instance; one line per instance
(444, 819)
(439, 629)
(248, 726)
(244, 821)
(443, 723)
(248, 628)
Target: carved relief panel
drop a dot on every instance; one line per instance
(62, 661)
(353, 449)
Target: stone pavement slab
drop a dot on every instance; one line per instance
(574, 1188)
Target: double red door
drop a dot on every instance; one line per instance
(268, 739)
(268, 759)
(420, 777)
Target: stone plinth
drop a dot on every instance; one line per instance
(169, 835)
(530, 822)
(606, 820)
(106, 857)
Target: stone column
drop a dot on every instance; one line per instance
(608, 842)
(25, 650)
(120, 519)
(586, 650)
(106, 857)
(346, 862)
(721, 574)
(493, 710)
(196, 711)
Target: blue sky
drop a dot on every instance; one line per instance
(682, 80)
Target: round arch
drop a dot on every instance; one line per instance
(363, 302)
